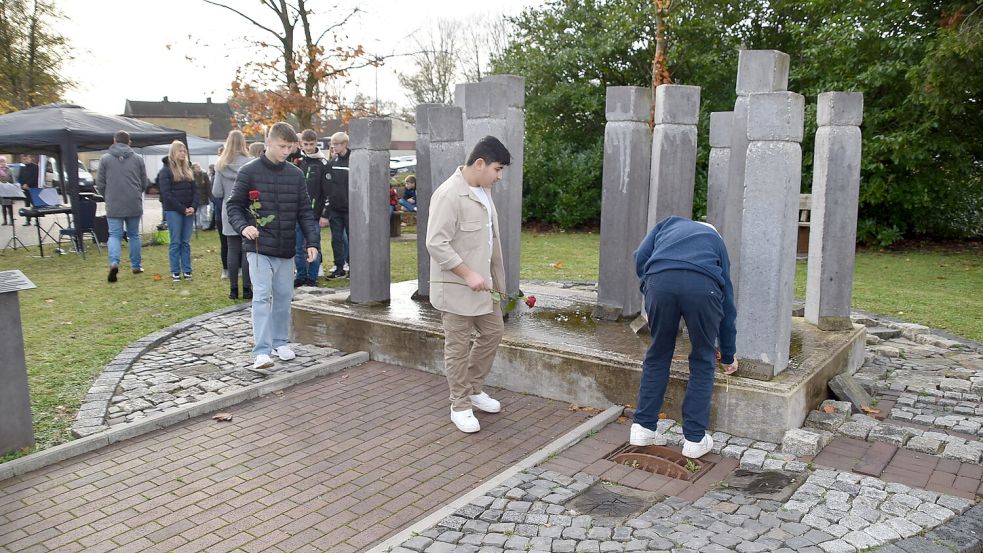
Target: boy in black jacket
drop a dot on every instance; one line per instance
(336, 210)
(314, 166)
(269, 200)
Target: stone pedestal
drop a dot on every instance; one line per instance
(673, 174)
(771, 201)
(758, 71)
(835, 195)
(16, 430)
(369, 209)
(424, 188)
(719, 167)
(495, 107)
(624, 199)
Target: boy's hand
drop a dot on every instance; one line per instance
(730, 369)
(311, 254)
(250, 233)
(323, 221)
(476, 282)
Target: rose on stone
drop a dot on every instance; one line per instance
(531, 302)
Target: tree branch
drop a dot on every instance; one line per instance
(338, 24)
(244, 16)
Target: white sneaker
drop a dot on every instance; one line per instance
(263, 361)
(285, 353)
(465, 421)
(485, 403)
(695, 450)
(225, 274)
(643, 436)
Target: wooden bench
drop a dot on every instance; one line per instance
(805, 217)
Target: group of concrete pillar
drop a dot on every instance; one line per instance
(752, 198)
(445, 134)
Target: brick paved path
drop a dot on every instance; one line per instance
(335, 464)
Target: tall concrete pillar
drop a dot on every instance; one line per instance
(719, 167)
(770, 227)
(445, 131)
(369, 209)
(835, 195)
(16, 428)
(624, 199)
(673, 173)
(424, 188)
(487, 106)
(758, 71)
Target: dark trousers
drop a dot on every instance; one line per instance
(698, 299)
(339, 238)
(223, 240)
(236, 260)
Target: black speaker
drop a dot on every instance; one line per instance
(101, 228)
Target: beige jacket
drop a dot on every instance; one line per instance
(457, 232)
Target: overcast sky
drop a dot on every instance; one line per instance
(121, 46)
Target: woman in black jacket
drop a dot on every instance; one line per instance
(180, 198)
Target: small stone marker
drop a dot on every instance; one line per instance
(847, 388)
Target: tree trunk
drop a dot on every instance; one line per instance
(660, 64)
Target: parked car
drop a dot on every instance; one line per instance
(402, 165)
(52, 178)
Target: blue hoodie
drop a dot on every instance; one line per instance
(679, 243)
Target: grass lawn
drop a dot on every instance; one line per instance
(74, 322)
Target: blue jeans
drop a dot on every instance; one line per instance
(273, 288)
(407, 205)
(179, 225)
(699, 300)
(339, 238)
(116, 239)
(306, 271)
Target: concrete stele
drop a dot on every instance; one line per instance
(368, 209)
(771, 201)
(16, 430)
(757, 71)
(719, 167)
(424, 189)
(445, 131)
(624, 199)
(835, 197)
(673, 173)
(487, 108)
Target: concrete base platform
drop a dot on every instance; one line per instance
(557, 351)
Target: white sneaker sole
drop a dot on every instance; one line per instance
(649, 441)
(266, 365)
(484, 410)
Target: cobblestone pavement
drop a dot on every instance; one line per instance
(335, 464)
(207, 357)
(831, 512)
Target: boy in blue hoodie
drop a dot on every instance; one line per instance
(684, 271)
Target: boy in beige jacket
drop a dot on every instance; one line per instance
(466, 264)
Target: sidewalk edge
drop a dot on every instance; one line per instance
(563, 442)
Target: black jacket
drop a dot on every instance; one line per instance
(28, 175)
(315, 168)
(176, 195)
(283, 194)
(338, 185)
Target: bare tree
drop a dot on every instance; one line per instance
(291, 82)
(436, 66)
(485, 39)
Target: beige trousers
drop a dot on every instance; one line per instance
(467, 365)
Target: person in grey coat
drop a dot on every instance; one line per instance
(234, 156)
(122, 180)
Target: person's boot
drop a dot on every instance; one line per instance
(233, 293)
(247, 293)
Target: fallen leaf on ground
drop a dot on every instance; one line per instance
(663, 416)
(573, 407)
(223, 417)
(870, 411)
(622, 419)
(557, 265)
(828, 409)
(278, 393)
(157, 277)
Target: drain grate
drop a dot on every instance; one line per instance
(660, 460)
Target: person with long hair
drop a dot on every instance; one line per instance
(6, 175)
(234, 156)
(180, 198)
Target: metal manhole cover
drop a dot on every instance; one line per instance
(610, 504)
(771, 484)
(660, 460)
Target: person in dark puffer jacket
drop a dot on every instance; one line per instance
(179, 195)
(336, 209)
(280, 191)
(314, 166)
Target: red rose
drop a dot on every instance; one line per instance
(531, 301)
(254, 195)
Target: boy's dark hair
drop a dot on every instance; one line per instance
(308, 135)
(121, 137)
(283, 131)
(491, 150)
